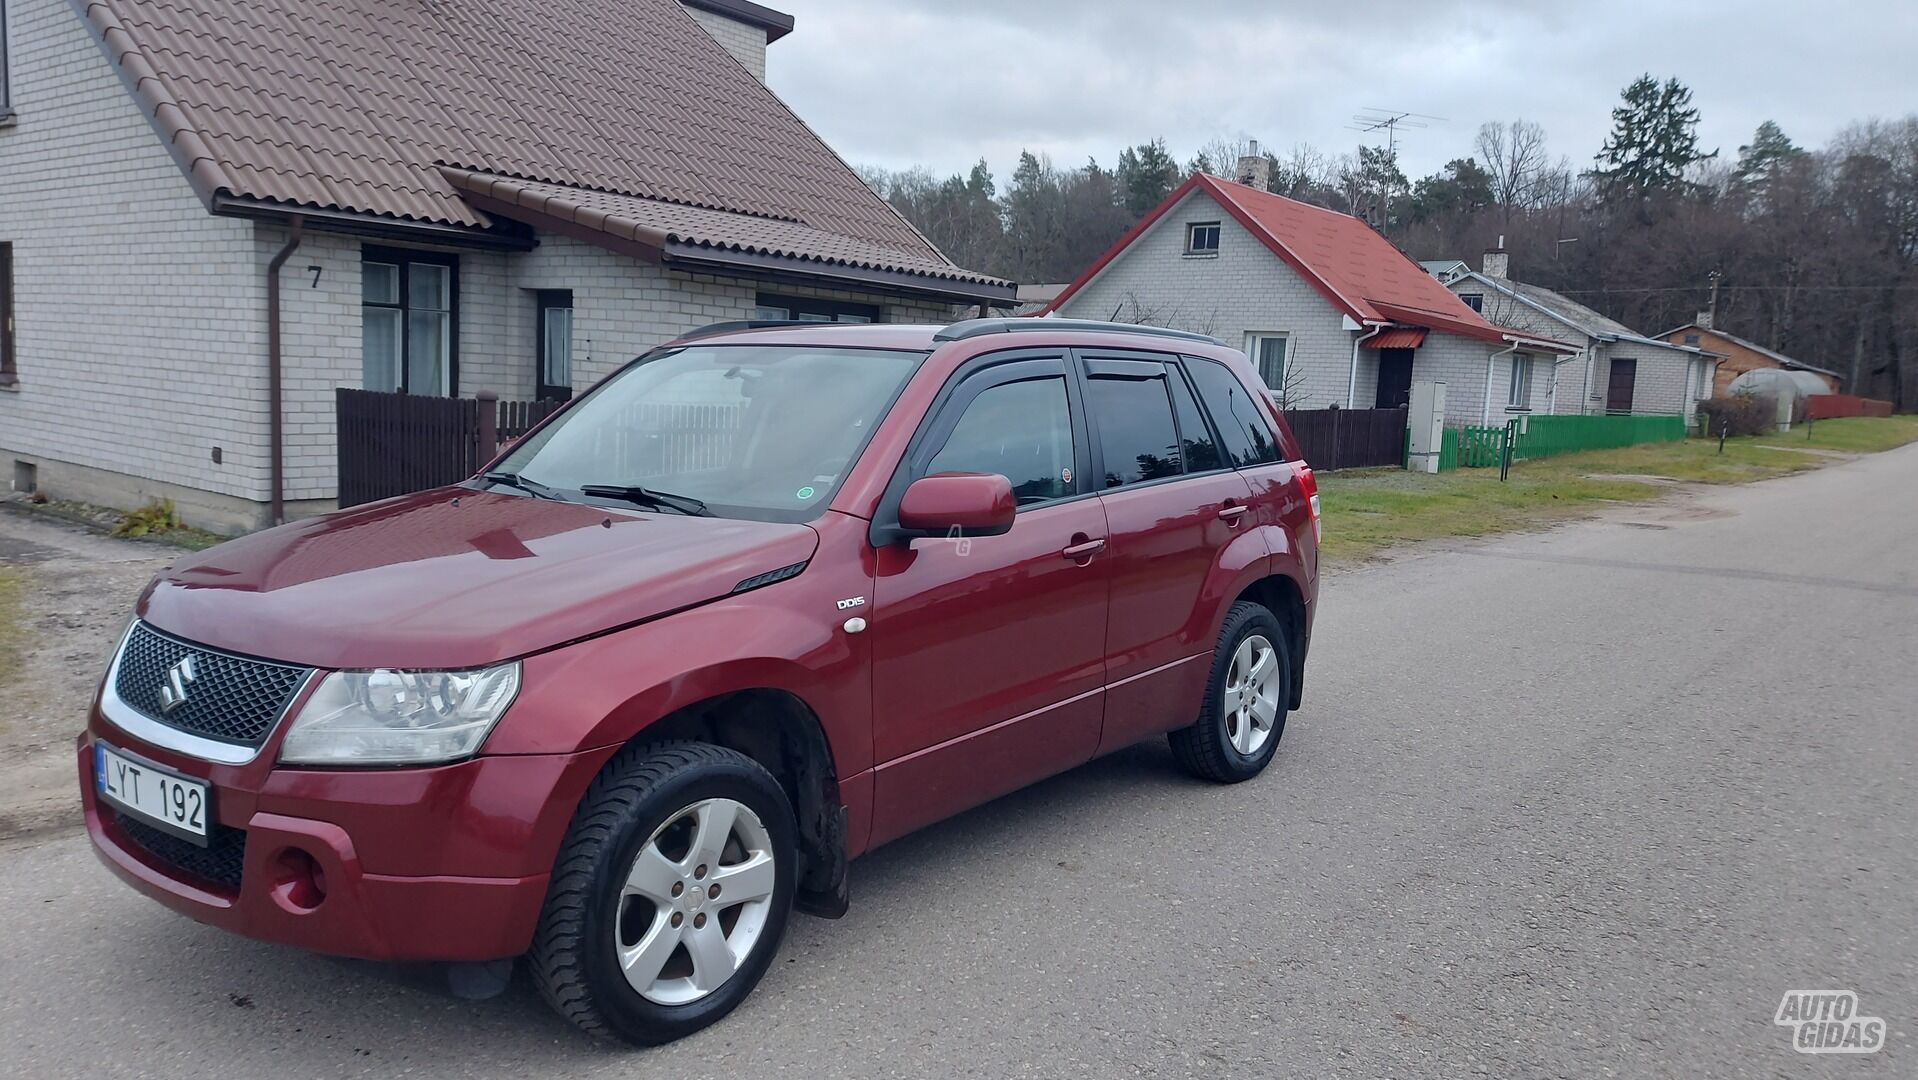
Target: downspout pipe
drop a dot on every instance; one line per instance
(1552, 410)
(275, 381)
(1485, 413)
(1352, 383)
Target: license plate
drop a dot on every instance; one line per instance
(163, 799)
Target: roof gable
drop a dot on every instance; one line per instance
(1359, 271)
(1753, 346)
(354, 104)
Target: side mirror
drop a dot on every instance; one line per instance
(959, 504)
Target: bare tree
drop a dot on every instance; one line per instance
(1513, 155)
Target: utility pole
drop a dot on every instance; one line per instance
(1711, 309)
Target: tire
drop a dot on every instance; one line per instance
(649, 801)
(1221, 747)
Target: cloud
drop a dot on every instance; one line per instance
(924, 82)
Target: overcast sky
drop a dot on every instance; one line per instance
(943, 82)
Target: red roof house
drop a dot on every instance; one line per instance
(1329, 310)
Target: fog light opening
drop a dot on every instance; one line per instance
(299, 885)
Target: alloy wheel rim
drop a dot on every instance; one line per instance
(695, 903)
(1251, 696)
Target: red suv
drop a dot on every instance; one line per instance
(762, 600)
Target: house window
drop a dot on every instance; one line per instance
(1475, 301)
(9, 372)
(1268, 353)
(1521, 396)
(555, 344)
(409, 307)
(1691, 339)
(1202, 238)
(6, 88)
(775, 308)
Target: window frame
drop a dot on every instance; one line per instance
(6, 69)
(9, 359)
(1192, 234)
(960, 388)
(1518, 393)
(550, 300)
(834, 310)
(1473, 300)
(1254, 341)
(405, 258)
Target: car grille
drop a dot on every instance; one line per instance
(219, 863)
(230, 698)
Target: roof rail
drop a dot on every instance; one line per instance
(972, 328)
(737, 325)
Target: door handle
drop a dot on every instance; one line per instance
(1084, 550)
(1231, 514)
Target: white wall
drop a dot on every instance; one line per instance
(139, 317)
(1245, 288)
(622, 308)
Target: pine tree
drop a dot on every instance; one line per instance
(1654, 140)
(1147, 174)
(1760, 160)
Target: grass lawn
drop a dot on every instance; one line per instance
(12, 585)
(1369, 510)
(1856, 434)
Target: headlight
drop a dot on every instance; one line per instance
(399, 717)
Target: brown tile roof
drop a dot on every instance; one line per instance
(652, 224)
(353, 105)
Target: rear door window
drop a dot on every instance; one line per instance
(1247, 436)
(1200, 449)
(1132, 412)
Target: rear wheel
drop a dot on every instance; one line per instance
(670, 894)
(1243, 718)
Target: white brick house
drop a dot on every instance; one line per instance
(1616, 370)
(1330, 312)
(149, 183)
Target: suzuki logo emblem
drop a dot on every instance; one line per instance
(178, 678)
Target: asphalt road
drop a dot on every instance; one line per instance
(1579, 803)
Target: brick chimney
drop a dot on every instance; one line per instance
(1705, 320)
(1497, 263)
(1255, 169)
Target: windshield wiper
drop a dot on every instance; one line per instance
(639, 496)
(530, 487)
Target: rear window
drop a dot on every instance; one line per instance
(1242, 425)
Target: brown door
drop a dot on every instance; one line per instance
(1618, 395)
(1395, 379)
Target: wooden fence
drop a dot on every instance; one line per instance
(1349, 438)
(395, 444)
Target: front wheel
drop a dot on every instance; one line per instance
(1239, 727)
(670, 894)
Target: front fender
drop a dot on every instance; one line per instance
(608, 689)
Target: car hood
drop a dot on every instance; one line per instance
(454, 578)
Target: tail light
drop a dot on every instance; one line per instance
(1309, 484)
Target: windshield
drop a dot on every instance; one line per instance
(751, 431)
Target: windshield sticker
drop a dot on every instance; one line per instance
(805, 493)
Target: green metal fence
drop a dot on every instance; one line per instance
(1549, 436)
(1480, 447)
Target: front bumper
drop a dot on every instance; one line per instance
(431, 864)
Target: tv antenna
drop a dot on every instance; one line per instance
(1390, 121)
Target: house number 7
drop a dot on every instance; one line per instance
(315, 271)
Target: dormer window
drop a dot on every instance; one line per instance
(1202, 238)
(1475, 301)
